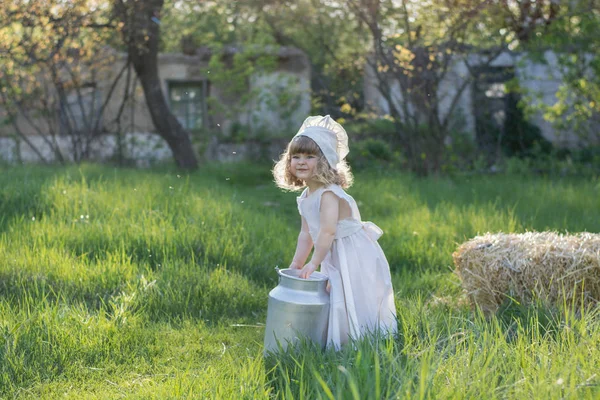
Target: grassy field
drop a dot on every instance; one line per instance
(117, 283)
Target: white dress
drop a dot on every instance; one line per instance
(361, 296)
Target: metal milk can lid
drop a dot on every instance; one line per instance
(316, 282)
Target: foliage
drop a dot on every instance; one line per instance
(325, 30)
(520, 137)
(527, 19)
(369, 126)
(57, 73)
(210, 23)
(252, 86)
(573, 39)
(336, 43)
(585, 162)
(413, 54)
(374, 142)
(244, 56)
(372, 152)
(461, 154)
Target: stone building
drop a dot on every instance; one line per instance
(485, 103)
(216, 118)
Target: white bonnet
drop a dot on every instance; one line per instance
(331, 138)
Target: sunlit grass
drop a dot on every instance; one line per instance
(153, 284)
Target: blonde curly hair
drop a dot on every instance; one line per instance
(325, 174)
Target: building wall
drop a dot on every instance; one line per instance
(536, 78)
(263, 114)
(142, 148)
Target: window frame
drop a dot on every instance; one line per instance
(204, 84)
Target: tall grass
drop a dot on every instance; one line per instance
(153, 284)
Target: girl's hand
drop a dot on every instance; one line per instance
(295, 265)
(307, 270)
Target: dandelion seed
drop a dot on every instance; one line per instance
(81, 217)
(179, 176)
(242, 201)
(87, 216)
(560, 381)
(33, 218)
(171, 187)
(64, 192)
(234, 152)
(219, 125)
(134, 189)
(227, 179)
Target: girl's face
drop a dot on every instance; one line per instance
(304, 166)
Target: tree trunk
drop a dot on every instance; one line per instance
(141, 32)
(165, 123)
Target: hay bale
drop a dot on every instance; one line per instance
(547, 266)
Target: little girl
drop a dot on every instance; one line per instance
(361, 294)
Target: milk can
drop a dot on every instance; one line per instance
(297, 307)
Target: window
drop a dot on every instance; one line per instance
(188, 103)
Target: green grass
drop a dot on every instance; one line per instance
(153, 284)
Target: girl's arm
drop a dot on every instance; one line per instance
(303, 248)
(328, 219)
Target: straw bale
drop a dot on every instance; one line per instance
(548, 266)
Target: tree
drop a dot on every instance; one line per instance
(416, 46)
(140, 22)
(570, 30)
(331, 36)
(526, 17)
(336, 43)
(57, 75)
